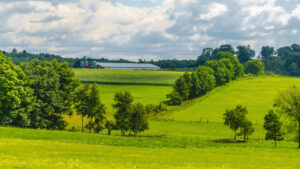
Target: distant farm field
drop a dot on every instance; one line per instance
(141, 77)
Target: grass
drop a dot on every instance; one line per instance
(127, 77)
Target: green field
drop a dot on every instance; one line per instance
(185, 142)
(257, 94)
(141, 77)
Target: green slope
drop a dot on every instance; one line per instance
(257, 94)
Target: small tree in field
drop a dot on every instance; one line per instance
(138, 119)
(123, 106)
(234, 118)
(273, 127)
(81, 102)
(246, 129)
(288, 103)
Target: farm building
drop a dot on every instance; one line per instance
(133, 66)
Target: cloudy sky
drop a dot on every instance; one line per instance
(146, 29)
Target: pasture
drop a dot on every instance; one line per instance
(196, 138)
(127, 77)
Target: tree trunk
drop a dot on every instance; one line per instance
(299, 134)
(275, 137)
(91, 124)
(235, 135)
(82, 122)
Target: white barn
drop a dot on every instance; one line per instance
(132, 66)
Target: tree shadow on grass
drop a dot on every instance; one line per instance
(227, 141)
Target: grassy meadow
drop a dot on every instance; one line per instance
(179, 140)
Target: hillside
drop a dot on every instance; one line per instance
(257, 94)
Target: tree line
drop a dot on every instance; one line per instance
(284, 60)
(37, 94)
(224, 68)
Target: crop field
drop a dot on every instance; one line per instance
(141, 77)
(192, 136)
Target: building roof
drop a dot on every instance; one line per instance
(128, 65)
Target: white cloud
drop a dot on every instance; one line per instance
(214, 10)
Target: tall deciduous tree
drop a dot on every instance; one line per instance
(123, 106)
(81, 102)
(288, 103)
(95, 109)
(138, 119)
(53, 85)
(234, 118)
(273, 127)
(245, 53)
(267, 52)
(16, 96)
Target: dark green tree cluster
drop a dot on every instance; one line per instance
(236, 119)
(285, 60)
(273, 126)
(219, 71)
(53, 84)
(35, 94)
(128, 116)
(254, 67)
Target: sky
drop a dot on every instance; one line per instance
(145, 29)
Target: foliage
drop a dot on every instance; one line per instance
(245, 53)
(175, 98)
(123, 108)
(95, 109)
(246, 129)
(236, 118)
(81, 102)
(254, 67)
(267, 52)
(273, 127)
(138, 119)
(16, 96)
(287, 103)
(53, 85)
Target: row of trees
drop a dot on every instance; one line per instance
(286, 105)
(223, 69)
(128, 116)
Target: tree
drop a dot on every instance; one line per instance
(81, 102)
(267, 52)
(138, 119)
(222, 48)
(195, 88)
(287, 103)
(245, 53)
(223, 70)
(205, 56)
(16, 96)
(273, 127)
(53, 84)
(238, 67)
(95, 109)
(109, 125)
(175, 98)
(123, 106)
(182, 85)
(206, 79)
(254, 67)
(234, 118)
(246, 129)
